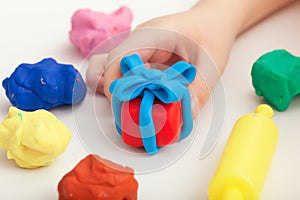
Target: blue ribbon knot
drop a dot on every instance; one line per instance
(168, 86)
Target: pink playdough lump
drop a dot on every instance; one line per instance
(90, 29)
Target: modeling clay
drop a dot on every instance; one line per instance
(151, 86)
(33, 139)
(44, 85)
(98, 179)
(90, 28)
(275, 76)
(167, 120)
(247, 157)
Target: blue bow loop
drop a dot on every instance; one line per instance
(129, 63)
(168, 86)
(182, 72)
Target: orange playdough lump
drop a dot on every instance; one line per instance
(98, 178)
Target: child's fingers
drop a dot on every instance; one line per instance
(113, 71)
(95, 72)
(145, 42)
(153, 51)
(199, 92)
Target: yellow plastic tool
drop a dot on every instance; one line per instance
(247, 157)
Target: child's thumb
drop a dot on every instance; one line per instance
(95, 73)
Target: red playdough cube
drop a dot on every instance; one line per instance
(96, 178)
(167, 120)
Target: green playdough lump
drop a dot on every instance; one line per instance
(276, 77)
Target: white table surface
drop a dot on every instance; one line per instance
(32, 30)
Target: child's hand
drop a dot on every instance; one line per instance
(161, 42)
(212, 25)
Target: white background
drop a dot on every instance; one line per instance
(31, 30)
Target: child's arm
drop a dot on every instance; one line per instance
(229, 19)
(245, 13)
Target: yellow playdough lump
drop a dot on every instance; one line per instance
(33, 139)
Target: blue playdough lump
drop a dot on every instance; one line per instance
(44, 85)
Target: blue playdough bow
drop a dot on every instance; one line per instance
(168, 86)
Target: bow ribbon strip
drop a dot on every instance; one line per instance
(168, 86)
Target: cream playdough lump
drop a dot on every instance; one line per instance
(33, 139)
